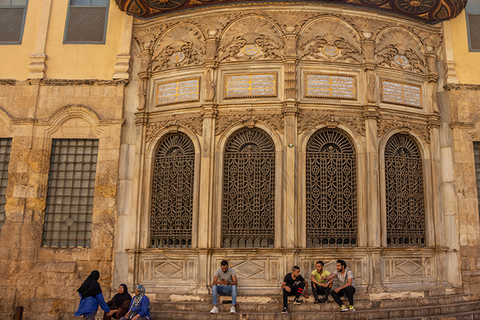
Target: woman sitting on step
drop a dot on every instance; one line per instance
(139, 307)
(119, 304)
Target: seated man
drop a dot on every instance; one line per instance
(345, 277)
(319, 284)
(224, 283)
(293, 284)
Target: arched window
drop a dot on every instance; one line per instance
(172, 192)
(404, 192)
(331, 185)
(249, 190)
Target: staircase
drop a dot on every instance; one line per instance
(438, 307)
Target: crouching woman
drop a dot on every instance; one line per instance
(139, 307)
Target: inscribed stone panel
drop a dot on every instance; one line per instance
(251, 85)
(401, 93)
(330, 86)
(178, 91)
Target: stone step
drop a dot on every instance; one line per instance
(469, 309)
(266, 304)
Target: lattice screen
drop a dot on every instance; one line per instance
(331, 186)
(71, 186)
(404, 193)
(248, 217)
(172, 193)
(5, 147)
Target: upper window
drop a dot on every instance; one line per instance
(12, 20)
(472, 13)
(86, 22)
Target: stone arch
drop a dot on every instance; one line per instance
(6, 119)
(251, 37)
(73, 112)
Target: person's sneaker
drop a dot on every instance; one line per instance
(328, 301)
(351, 308)
(214, 310)
(232, 309)
(296, 301)
(285, 310)
(317, 301)
(343, 308)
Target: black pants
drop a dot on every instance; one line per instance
(295, 291)
(320, 290)
(348, 291)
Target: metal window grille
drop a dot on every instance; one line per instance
(71, 186)
(248, 218)
(172, 193)
(404, 193)
(5, 147)
(476, 152)
(331, 186)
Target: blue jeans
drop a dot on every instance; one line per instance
(224, 291)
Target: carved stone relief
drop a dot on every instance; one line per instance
(396, 48)
(180, 46)
(225, 120)
(191, 121)
(386, 124)
(309, 119)
(330, 39)
(252, 37)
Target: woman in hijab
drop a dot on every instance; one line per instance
(119, 303)
(90, 297)
(139, 307)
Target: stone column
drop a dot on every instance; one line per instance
(205, 219)
(292, 237)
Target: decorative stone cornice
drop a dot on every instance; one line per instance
(88, 82)
(249, 118)
(459, 86)
(192, 121)
(311, 118)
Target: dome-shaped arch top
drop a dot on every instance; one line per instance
(404, 192)
(331, 190)
(172, 192)
(422, 10)
(248, 213)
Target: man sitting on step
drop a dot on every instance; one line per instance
(293, 285)
(319, 285)
(345, 277)
(224, 283)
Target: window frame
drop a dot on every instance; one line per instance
(25, 7)
(468, 24)
(67, 23)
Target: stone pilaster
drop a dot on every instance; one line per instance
(38, 66)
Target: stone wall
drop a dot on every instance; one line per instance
(44, 280)
(465, 122)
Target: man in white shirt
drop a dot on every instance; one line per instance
(224, 283)
(347, 287)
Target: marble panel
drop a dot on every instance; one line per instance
(178, 91)
(401, 93)
(330, 86)
(250, 85)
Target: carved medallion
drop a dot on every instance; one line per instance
(401, 60)
(414, 6)
(330, 51)
(177, 57)
(250, 49)
(165, 4)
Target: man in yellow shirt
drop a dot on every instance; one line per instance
(319, 285)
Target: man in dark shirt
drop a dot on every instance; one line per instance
(293, 285)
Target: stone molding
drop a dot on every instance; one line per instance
(311, 118)
(192, 121)
(248, 118)
(387, 123)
